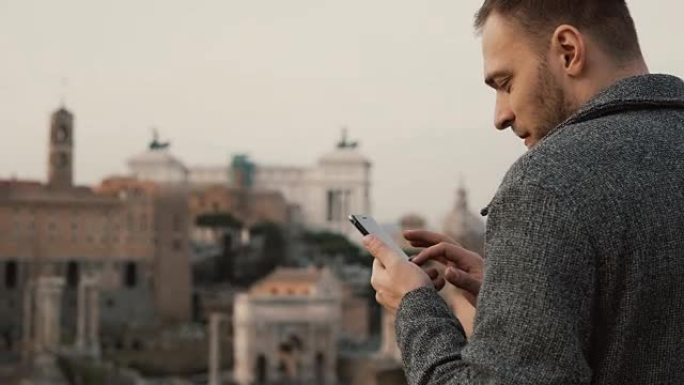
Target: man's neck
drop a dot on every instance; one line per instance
(611, 75)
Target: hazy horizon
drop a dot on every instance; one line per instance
(277, 81)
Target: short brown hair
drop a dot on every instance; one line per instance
(608, 21)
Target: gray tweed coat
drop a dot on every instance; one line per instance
(584, 279)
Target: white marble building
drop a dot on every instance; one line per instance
(157, 164)
(321, 195)
(325, 194)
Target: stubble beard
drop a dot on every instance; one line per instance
(555, 107)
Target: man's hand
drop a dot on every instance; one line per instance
(464, 268)
(393, 275)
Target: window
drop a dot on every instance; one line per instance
(177, 223)
(72, 274)
(176, 245)
(62, 133)
(130, 275)
(337, 205)
(11, 275)
(143, 222)
(331, 205)
(62, 159)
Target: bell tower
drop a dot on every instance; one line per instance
(61, 145)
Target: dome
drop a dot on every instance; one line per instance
(463, 225)
(412, 222)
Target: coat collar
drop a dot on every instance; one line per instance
(644, 91)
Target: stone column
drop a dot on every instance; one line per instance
(94, 321)
(81, 317)
(243, 344)
(27, 329)
(88, 317)
(214, 348)
(47, 326)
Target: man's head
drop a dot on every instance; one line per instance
(545, 58)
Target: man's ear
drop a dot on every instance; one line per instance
(568, 47)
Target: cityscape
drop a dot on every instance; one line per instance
(227, 274)
(177, 177)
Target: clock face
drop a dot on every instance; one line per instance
(62, 134)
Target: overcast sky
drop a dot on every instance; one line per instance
(276, 80)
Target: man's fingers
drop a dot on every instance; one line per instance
(432, 273)
(439, 283)
(463, 280)
(436, 253)
(424, 238)
(378, 276)
(450, 254)
(381, 251)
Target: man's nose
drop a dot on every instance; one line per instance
(503, 115)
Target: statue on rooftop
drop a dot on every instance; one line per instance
(156, 144)
(344, 142)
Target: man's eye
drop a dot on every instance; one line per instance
(506, 85)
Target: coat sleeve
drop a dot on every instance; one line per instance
(534, 311)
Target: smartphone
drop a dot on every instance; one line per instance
(367, 225)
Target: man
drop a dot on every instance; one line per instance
(583, 281)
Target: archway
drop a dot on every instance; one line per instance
(319, 369)
(261, 370)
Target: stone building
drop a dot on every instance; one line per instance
(157, 164)
(325, 194)
(319, 197)
(249, 207)
(286, 329)
(76, 261)
(212, 190)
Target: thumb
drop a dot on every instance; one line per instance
(381, 251)
(463, 280)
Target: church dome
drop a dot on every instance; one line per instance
(412, 222)
(463, 225)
